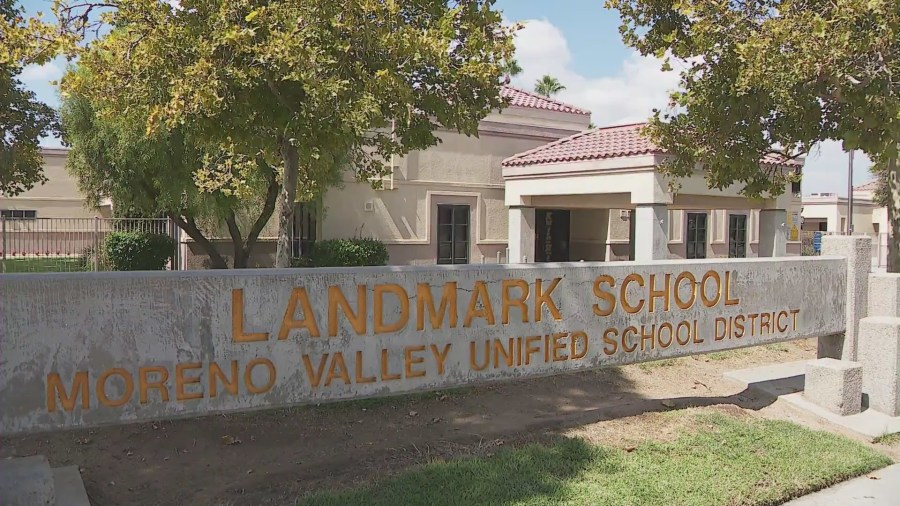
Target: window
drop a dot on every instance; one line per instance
(303, 231)
(696, 235)
(737, 236)
(453, 234)
(18, 214)
(795, 188)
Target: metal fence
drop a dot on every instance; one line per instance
(811, 245)
(68, 244)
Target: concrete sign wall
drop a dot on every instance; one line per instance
(88, 349)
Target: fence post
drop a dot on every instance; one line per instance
(3, 244)
(96, 243)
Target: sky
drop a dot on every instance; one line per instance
(578, 42)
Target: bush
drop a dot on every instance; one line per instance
(349, 253)
(138, 251)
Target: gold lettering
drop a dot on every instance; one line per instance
(55, 388)
(574, 338)
(604, 295)
(729, 300)
(507, 353)
(692, 283)
(248, 376)
(624, 294)
(402, 297)
(314, 376)
(308, 322)
(181, 381)
(101, 387)
(508, 302)
(665, 325)
(336, 299)
(448, 304)
(557, 346)
(215, 373)
(706, 300)
(655, 294)
(237, 320)
(781, 328)
(529, 349)
(144, 383)
(338, 369)
(385, 372)
(607, 342)
(359, 370)
(632, 331)
(473, 360)
(479, 292)
(440, 356)
(410, 361)
(542, 298)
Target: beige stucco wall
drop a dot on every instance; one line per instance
(57, 198)
(459, 170)
(834, 210)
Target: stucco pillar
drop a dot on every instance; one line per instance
(773, 233)
(521, 235)
(651, 232)
(857, 249)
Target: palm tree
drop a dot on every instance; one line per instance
(548, 86)
(510, 68)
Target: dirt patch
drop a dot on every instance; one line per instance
(272, 456)
(630, 431)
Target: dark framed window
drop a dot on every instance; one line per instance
(453, 234)
(696, 235)
(303, 230)
(18, 214)
(737, 236)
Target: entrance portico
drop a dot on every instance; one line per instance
(577, 182)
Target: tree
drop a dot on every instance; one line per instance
(161, 172)
(769, 80)
(301, 84)
(548, 86)
(511, 68)
(23, 119)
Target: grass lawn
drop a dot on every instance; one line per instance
(42, 265)
(723, 460)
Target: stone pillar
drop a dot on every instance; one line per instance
(521, 235)
(879, 344)
(773, 233)
(857, 250)
(651, 232)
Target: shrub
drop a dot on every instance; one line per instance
(138, 251)
(349, 253)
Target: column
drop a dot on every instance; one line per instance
(857, 250)
(651, 232)
(773, 233)
(521, 235)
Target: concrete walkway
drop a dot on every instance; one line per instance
(882, 490)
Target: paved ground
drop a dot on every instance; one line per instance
(881, 488)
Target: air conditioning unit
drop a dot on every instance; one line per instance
(369, 206)
(625, 214)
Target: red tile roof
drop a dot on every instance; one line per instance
(867, 187)
(521, 98)
(600, 143)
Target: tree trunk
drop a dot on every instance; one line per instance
(237, 242)
(286, 203)
(216, 260)
(893, 211)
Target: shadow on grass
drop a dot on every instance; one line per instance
(510, 477)
(724, 460)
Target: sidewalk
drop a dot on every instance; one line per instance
(862, 491)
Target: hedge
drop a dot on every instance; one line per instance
(138, 251)
(349, 253)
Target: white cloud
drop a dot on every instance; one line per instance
(630, 95)
(45, 73)
(827, 166)
(637, 87)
